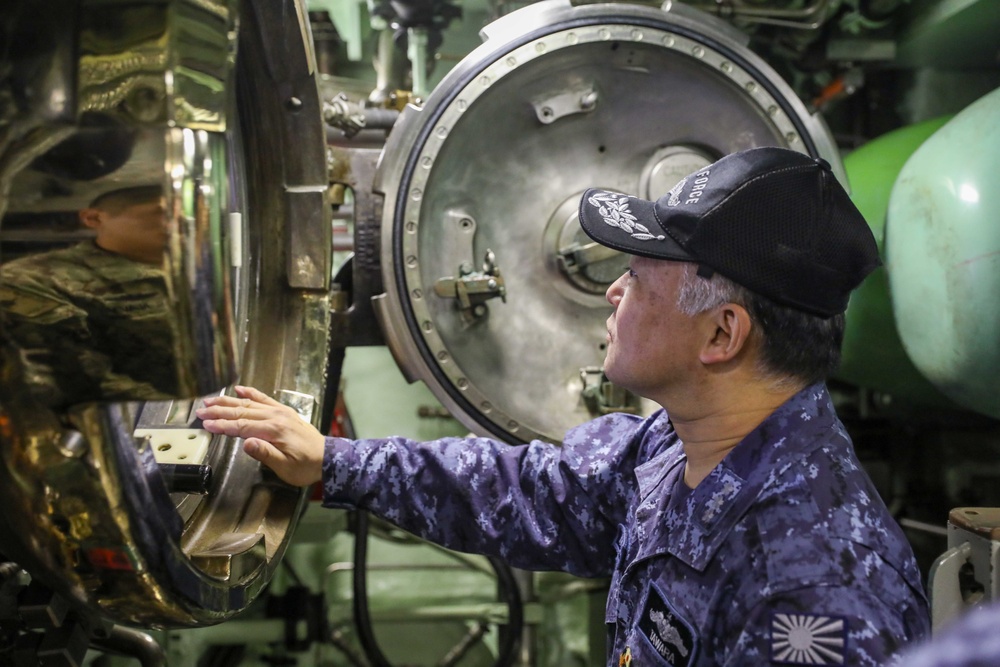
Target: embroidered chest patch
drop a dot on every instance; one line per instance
(671, 637)
(808, 639)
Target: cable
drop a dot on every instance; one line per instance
(515, 618)
(366, 634)
(508, 591)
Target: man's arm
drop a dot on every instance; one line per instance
(536, 506)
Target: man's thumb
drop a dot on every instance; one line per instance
(256, 449)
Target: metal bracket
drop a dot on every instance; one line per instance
(344, 115)
(360, 279)
(552, 108)
(602, 397)
(967, 574)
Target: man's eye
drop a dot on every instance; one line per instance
(632, 274)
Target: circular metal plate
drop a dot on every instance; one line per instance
(557, 100)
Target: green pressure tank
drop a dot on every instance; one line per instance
(924, 327)
(873, 355)
(942, 246)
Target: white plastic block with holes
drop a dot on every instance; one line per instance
(177, 445)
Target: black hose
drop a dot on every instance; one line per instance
(511, 594)
(511, 637)
(362, 617)
(380, 119)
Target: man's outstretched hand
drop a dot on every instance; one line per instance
(272, 433)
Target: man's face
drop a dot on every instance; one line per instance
(136, 231)
(652, 346)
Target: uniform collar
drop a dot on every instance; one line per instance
(695, 524)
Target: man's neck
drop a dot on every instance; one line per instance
(151, 258)
(710, 426)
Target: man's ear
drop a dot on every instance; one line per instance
(91, 217)
(731, 334)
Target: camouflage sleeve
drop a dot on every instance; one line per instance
(537, 506)
(57, 351)
(823, 625)
(47, 332)
(88, 324)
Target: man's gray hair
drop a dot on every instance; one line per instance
(697, 294)
(795, 346)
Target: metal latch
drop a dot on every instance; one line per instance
(474, 288)
(602, 397)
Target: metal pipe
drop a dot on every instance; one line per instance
(417, 51)
(789, 14)
(139, 645)
(237, 632)
(390, 68)
(779, 17)
(924, 527)
(351, 117)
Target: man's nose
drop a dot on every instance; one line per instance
(615, 292)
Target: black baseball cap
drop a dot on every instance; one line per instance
(773, 220)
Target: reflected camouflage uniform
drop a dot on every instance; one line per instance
(89, 324)
(971, 641)
(784, 554)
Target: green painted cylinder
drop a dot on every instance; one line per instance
(873, 354)
(943, 255)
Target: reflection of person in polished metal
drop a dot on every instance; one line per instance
(736, 524)
(93, 321)
(130, 223)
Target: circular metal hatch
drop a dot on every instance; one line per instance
(494, 297)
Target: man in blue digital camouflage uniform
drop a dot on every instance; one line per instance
(736, 523)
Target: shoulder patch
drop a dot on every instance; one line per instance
(808, 639)
(667, 632)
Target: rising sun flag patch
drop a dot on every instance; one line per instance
(808, 639)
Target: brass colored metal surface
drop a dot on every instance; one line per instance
(116, 288)
(162, 103)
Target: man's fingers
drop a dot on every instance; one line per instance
(228, 401)
(228, 412)
(255, 395)
(228, 427)
(238, 410)
(249, 399)
(242, 428)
